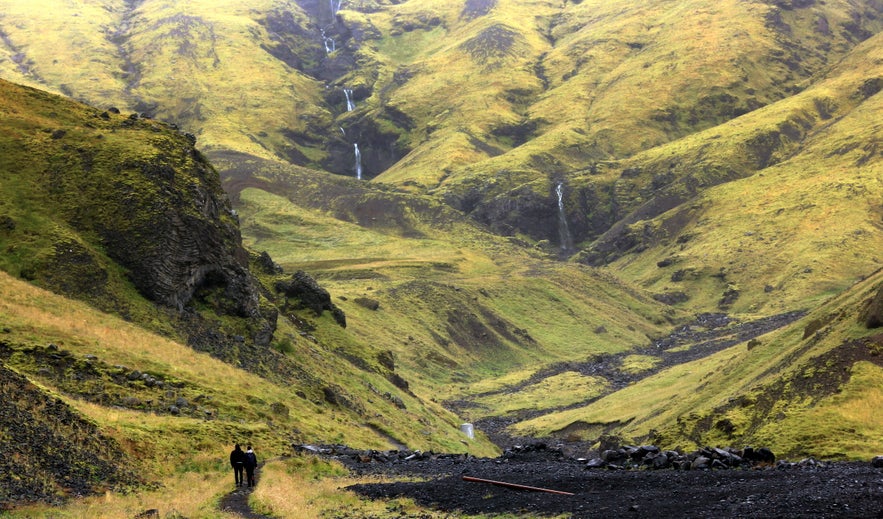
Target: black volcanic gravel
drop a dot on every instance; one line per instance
(817, 490)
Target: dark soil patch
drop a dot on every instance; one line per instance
(818, 490)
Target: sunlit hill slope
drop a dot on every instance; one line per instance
(546, 192)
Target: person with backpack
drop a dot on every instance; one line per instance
(251, 462)
(237, 461)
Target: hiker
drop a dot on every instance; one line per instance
(251, 462)
(237, 461)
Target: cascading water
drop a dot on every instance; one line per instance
(328, 42)
(335, 6)
(358, 161)
(350, 105)
(563, 229)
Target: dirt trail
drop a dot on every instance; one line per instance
(237, 501)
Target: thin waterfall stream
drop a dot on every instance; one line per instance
(563, 229)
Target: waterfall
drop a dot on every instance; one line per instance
(335, 7)
(350, 106)
(328, 42)
(358, 161)
(563, 229)
(342, 131)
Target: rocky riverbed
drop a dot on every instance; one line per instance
(628, 487)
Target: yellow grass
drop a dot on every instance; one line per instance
(32, 313)
(306, 487)
(498, 383)
(635, 364)
(182, 494)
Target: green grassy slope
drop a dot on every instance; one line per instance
(802, 225)
(452, 301)
(807, 390)
(637, 110)
(202, 65)
(62, 166)
(720, 156)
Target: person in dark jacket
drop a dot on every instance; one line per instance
(237, 461)
(251, 462)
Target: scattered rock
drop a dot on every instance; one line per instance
(370, 304)
(803, 489)
(306, 290)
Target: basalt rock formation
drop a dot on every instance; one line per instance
(127, 194)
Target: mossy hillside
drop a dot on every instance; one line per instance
(818, 370)
(453, 303)
(186, 410)
(58, 191)
(65, 48)
(666, 176)
(802, 228)
(605, 71)
(205, 67)
(338, 382)
(709, 287)
(539, 99)
(562, 72)
(488, 60)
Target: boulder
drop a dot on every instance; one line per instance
(310, 295)
(701, 462)
(614, 456)
(596, 463)
(761, 455)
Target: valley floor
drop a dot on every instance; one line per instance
(814, 489)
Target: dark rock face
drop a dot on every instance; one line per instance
(378, 148)
(873, 315)
(310, 295)
(477, 8)
(177, 244)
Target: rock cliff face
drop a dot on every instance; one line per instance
(104, 190)
(873, 314)
(181, 241)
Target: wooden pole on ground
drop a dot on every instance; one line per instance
(515, 486)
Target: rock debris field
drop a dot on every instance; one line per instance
(627, 482)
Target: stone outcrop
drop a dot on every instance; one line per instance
(182, 239)
(308, 294)
(652, 457)
(873, 314)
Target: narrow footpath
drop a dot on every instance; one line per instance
(236, 502)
